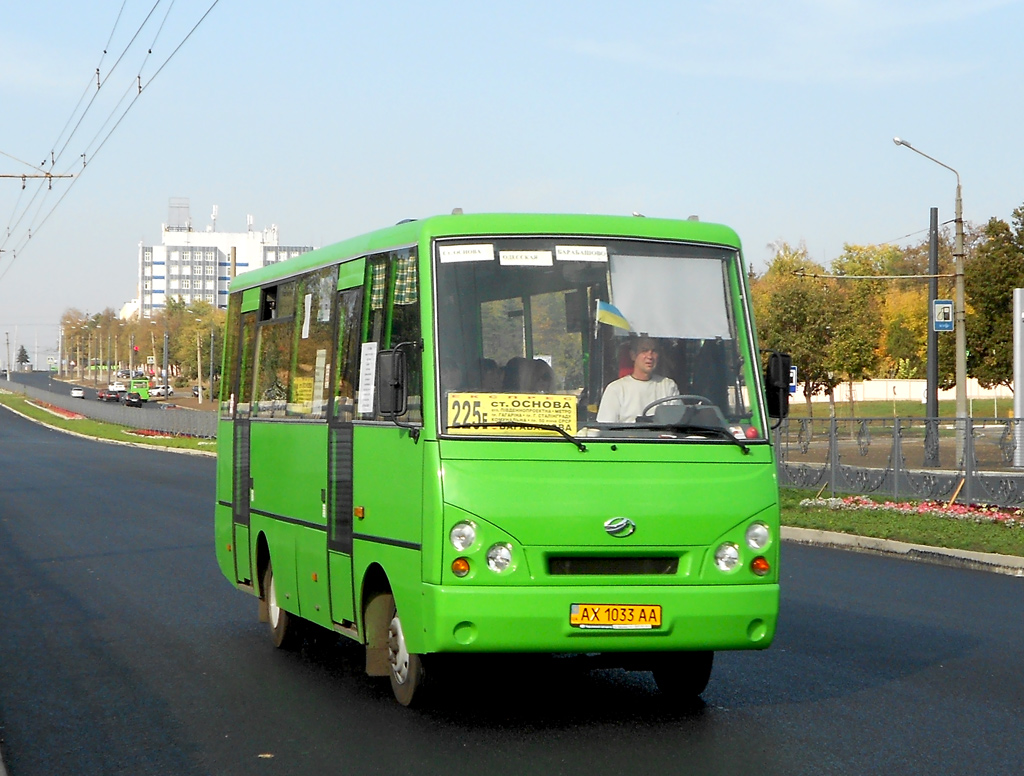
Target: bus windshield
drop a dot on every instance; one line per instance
(602, 338)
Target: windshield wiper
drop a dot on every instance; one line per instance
(688, 428)
(518, 424)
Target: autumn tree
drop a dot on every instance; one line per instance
(794, 315)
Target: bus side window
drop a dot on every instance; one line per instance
(310, 365)
(274, 353)
(350, 315)
(405, 326)
(229, 383)
(245, 380)
(393, 317)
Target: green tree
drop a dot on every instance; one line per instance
(22, 358)
(794, 314)
(995, 270)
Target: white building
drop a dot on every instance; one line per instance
(197, 266)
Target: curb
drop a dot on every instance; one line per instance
(1011, 565)
(138, 445)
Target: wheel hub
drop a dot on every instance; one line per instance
(398, 654)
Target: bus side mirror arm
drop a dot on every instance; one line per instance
(393, 387)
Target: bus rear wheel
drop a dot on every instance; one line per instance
(284, 627)
(407, 673)
(683, 675)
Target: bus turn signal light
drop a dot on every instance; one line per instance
(460, 567)
(760, 566)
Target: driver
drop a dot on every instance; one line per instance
(627, 397)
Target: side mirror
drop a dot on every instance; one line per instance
(776, 384)
(392, 391)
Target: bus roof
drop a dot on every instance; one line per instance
(491, 224)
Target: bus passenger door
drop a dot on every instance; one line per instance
(339, 455)
(240, 464)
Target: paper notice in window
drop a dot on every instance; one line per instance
(581, 253)
(467, 409)
(307, 306)
(525, 258)
(451, 254)
(367, 377)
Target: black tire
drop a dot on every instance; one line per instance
(407, 671)
(285, 628)
(684, 675)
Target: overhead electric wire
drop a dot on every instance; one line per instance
(142, 88)
(88, 83)
(100, 82)
(55, 157)
(20, 161)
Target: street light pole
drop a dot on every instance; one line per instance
(959, 304)
(210, 395)
(199, 364)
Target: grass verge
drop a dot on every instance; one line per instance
(958, 533)
(100, 430)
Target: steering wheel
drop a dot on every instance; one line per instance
(687, 399)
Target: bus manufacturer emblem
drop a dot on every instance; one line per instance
(619, 527)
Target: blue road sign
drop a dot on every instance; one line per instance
(942, 315)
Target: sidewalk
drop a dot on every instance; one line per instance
(981, 561)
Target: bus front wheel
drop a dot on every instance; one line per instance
(407, 672)
(683, 674)
(284, 627)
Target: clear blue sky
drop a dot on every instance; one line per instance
(333, 118)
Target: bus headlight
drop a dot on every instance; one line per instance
(757, 536)
(727, 556)
(499, 557)
(462, 535)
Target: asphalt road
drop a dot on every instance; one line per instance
(43, 381)
(124, 651)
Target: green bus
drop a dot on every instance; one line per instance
(501, 433)
(139, 386)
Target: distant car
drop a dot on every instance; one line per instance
(106, 394)
(131, 399)
(124, 374)
(78, 392)
(158, 390)
(117, 385)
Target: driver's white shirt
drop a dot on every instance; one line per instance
(627, 397)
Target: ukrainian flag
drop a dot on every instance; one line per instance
(609, 313)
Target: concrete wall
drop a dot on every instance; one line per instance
(906, 390)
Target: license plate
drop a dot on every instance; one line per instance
(615, 616)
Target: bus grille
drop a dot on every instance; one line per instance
(611, 566)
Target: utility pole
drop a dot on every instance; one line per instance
(931, 446)
(166, 340)
(7, 334)
(199, 368)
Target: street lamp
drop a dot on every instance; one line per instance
(959, 315)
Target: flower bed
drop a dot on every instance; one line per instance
(60, 412)
(149, 433)
(977, 513)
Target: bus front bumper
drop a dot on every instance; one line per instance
(537, 619)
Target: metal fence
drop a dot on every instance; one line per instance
(972, 460)
(167, 418)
